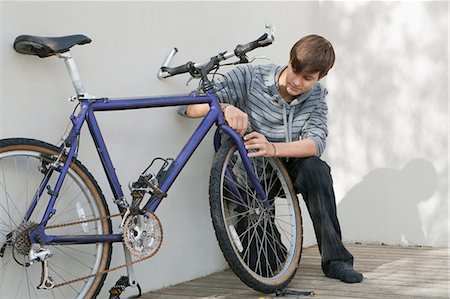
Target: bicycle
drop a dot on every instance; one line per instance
(53, 211)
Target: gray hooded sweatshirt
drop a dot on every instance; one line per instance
(254, 90)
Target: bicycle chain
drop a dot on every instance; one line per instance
(102, 272)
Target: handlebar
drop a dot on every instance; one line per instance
(200, 69)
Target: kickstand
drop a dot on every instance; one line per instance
(119, 287)
(285, 293)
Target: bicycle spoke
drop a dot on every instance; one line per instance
(234, 201)
(4, 266)
(249, 228)
(239, 184)
(79, 261)
(258, 260)
(246, 253)
(62, 211)
(29, 286)
(277, 242)
(76, 250)
(264, 242)
(238, 215)
(62, 278)
(8, 199)
(20, 178)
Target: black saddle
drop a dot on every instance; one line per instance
(48, 46)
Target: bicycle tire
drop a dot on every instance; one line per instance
(22, 167)
(242, 224)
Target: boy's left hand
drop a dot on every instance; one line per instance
(258, 142)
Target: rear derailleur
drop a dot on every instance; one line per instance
(40, 254)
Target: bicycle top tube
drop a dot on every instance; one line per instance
(109, 104)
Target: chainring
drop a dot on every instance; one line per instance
(142, 234)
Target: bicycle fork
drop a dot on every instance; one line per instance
(246, 162)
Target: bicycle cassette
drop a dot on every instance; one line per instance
(20, 238)
(142, 234)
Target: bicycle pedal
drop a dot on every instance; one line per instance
(121, 284)
(288, 293)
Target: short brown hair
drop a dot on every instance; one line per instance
(311, 54)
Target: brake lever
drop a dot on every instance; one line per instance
(189, 80)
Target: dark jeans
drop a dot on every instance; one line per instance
(312, 178)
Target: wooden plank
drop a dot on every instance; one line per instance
(391, 272)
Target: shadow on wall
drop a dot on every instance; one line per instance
(388, 105)
(388, 200)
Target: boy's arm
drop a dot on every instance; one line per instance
(231, 91)
(296, 149)
(315, 129)
(197, 110)
(236, 118)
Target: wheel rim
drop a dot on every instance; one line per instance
(250, 227)
(19, 179)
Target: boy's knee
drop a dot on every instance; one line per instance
(309, 164)
(309, 173)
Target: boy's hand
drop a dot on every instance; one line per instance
(258, 142)
(236, 119)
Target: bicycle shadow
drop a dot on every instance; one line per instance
(387, 202)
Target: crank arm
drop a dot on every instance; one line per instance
(130, 270)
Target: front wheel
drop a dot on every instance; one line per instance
(23, 165)
(262, 246)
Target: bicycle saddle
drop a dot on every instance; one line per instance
(47, 46)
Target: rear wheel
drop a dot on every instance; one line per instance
(262, 247)
(23, 165)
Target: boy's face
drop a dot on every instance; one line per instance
(298, 83)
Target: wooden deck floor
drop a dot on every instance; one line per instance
(389, 272)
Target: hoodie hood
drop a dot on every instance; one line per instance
(288, 108)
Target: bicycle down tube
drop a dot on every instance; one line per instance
(87, 114)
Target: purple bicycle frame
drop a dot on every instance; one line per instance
(88, 107)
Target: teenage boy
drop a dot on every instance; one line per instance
(284, 109)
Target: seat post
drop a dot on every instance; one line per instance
(73, 72)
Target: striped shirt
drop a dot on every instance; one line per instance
(254, 90)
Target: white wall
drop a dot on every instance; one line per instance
(388, 143)
(389, 120)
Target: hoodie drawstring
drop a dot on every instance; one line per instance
(288, 122)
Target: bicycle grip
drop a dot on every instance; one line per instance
(172, 71)
(263, 41)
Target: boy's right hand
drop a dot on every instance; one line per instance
(236, 119)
